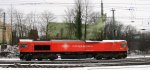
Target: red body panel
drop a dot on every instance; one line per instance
(68, 46)
(76, 46)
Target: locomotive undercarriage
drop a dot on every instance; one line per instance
(73, 55)
(38, 55)
(110, 55)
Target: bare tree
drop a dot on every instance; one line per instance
(19, 22)
(94, 17)
(31, 21)
(116, 29)
(87, 12)
(10, 14)
(74, 20)
(129, 31)
(46, 18)
(69, 20)
(88, 17)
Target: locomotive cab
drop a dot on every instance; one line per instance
(39, 50)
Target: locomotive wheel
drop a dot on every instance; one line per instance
(121, 56)
(52, 59)
(98, 57)
(28, 59)
(109, 58)
(39, 59)
(25, 58)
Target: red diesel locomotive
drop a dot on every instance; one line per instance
(72, 49)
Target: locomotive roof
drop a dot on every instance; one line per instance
(113, 40)
(65, 40)
(30, 40)
(106, 41)
(25, 40)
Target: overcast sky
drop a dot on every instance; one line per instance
(126, 10)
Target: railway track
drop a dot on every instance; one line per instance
(73, 63)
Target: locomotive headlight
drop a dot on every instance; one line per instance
(123, 45)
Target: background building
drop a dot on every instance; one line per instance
(8, 33)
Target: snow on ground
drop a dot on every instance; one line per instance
(129, 56)
(138, 56)
(9, 59)
(132, 67)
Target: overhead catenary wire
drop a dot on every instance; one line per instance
(51, 3)
(107, 6)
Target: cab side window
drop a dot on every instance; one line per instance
(23, 45)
